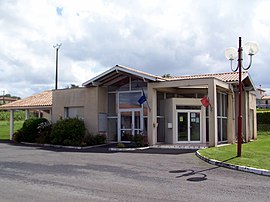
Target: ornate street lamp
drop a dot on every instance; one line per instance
(250, 48)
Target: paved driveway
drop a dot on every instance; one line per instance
(29, 173)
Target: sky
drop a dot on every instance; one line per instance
(176, 37)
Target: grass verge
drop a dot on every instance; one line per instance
(4, 128)
(254, 154)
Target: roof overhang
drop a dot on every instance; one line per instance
(117, 73)
(41, 101)
(247, 83)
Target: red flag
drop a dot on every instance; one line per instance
(205, 102)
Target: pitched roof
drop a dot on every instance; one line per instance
(227, 77)
(113, 73)
(41, 100)
(231, 77)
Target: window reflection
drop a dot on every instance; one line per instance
(129, 100)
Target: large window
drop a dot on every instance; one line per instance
(222, 116)
(123, 96)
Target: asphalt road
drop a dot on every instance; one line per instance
(29, 173)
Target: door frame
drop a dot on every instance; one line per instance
(177, 122)
(132, 110)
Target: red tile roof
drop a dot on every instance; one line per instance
(227, 77)
(41, 100)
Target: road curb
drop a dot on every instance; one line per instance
(234, 167)
(128, 149)
(62, 146)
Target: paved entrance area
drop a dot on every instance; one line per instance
(30, 173)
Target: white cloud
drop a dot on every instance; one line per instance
(176, 37)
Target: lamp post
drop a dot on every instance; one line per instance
(57, 47)
(250, 48)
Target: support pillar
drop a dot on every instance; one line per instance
(27, 114)
(212, 93)
(152, 115)
(11, 125)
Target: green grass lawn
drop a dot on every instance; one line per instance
(254, 154)
(4, 128)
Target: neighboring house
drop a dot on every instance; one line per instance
(262, 100)
(6, 100)
(199, 109)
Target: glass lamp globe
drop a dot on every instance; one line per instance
(231, 53)
(251, 48)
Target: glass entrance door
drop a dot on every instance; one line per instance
(130, 123)
(188, 126)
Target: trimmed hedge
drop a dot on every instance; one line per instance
(263, 121)
(263, 118)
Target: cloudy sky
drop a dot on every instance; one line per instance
(180, 37)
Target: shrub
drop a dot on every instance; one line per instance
(30, 129)
(44, 132)
(139, 140)
(88, 139)
(263, 127)
(100, 139)
(68, 132)
(120, 145)
(127, 137)
(263, 121)
(263, 118)
(17, 136)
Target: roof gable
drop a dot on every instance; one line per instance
(113, 73)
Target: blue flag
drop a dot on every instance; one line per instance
(142, 99)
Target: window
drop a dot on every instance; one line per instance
(129, 100)
(112, 104)
(74, 112)
(222, 115)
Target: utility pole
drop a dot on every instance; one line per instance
(57, 47)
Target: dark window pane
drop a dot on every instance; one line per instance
(224, 130)
(218, 105)
(182, 119)
(112, 104)
(219, 129)
(207, 129)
